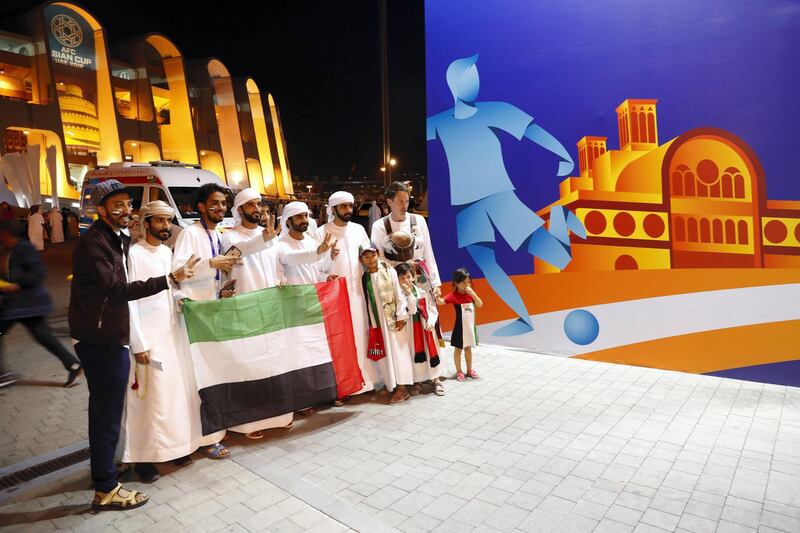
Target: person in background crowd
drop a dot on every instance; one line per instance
(99, 323)
(374, 215)
(6, 212)
(56, 221)
(36, 228)
(24, 299)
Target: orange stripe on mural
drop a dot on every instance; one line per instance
(543, 293)
(711, 351)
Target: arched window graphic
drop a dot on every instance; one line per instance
(727, 186)
(634, 127)
(595, 153)
(626, 262)
(625, 134)
(642, 127)
(705, 230)
(730, 232)
(738, 186)
(651, 127)
(702, 190)
(713, 190)
(691, 230)
(716, 231)
(743, 238)
(583, 159)
(677, 183)
(689, 184)
(680, 229)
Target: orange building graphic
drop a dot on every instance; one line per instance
(697, 201)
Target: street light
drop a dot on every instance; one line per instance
(383, 169)
(393, 161)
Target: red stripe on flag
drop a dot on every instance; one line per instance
(341, 341)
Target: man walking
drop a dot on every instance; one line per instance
(25, 300)
(99, 323)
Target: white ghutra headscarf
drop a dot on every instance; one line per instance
(338, 198)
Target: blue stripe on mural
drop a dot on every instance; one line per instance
(785, 373)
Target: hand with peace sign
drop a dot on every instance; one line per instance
(186, 271)
(269, 233)
(326, 245)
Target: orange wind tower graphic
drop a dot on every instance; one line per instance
(697, 201)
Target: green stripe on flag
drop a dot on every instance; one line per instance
(252, 314)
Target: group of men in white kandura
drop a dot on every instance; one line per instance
(162, 421)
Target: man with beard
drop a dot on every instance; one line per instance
(299, 254)
(350, 237)
(203, 240)
(162, 411)
(99, 323)
(257, 271)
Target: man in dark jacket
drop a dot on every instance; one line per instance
(99, 325)
(24, 299)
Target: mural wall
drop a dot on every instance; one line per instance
(619, 178)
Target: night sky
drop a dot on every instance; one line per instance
(319, 59)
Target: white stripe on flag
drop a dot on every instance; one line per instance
(260, 357)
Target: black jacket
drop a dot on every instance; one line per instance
(98, 303)
(24, 266)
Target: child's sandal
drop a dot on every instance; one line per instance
(460, 377)
(472, 374)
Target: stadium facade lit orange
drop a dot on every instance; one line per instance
(61, 87)
(697, 201)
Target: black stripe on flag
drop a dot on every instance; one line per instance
(231, 404)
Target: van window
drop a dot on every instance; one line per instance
(89, 209)
(157, 193)
(186, 201)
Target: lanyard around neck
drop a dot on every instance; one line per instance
(214, 251)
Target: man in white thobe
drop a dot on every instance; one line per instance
(162, 414)
(56, 226)
(374, 214)
(257, 271)
(203, 240)
(36, 228)
(345, 262)
(300, 255)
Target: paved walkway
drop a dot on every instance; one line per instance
(537, 444)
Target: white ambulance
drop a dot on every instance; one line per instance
(173, 182)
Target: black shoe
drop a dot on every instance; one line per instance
(147, 472)
(74, 377)
(183, 461)
(7, 378)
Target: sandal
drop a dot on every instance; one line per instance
(460, 377)
(438, 388)
(217, 451)
(255, 435)
(308, 411)
(415, 389)
(472, 374)
(113, 501)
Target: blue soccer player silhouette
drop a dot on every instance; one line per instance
(481, 187)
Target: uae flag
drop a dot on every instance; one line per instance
(271, 352)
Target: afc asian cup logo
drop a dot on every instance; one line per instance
(66, 30)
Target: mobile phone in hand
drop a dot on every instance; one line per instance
(233, 251)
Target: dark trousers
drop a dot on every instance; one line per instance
(41, 332)
(106, 370)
